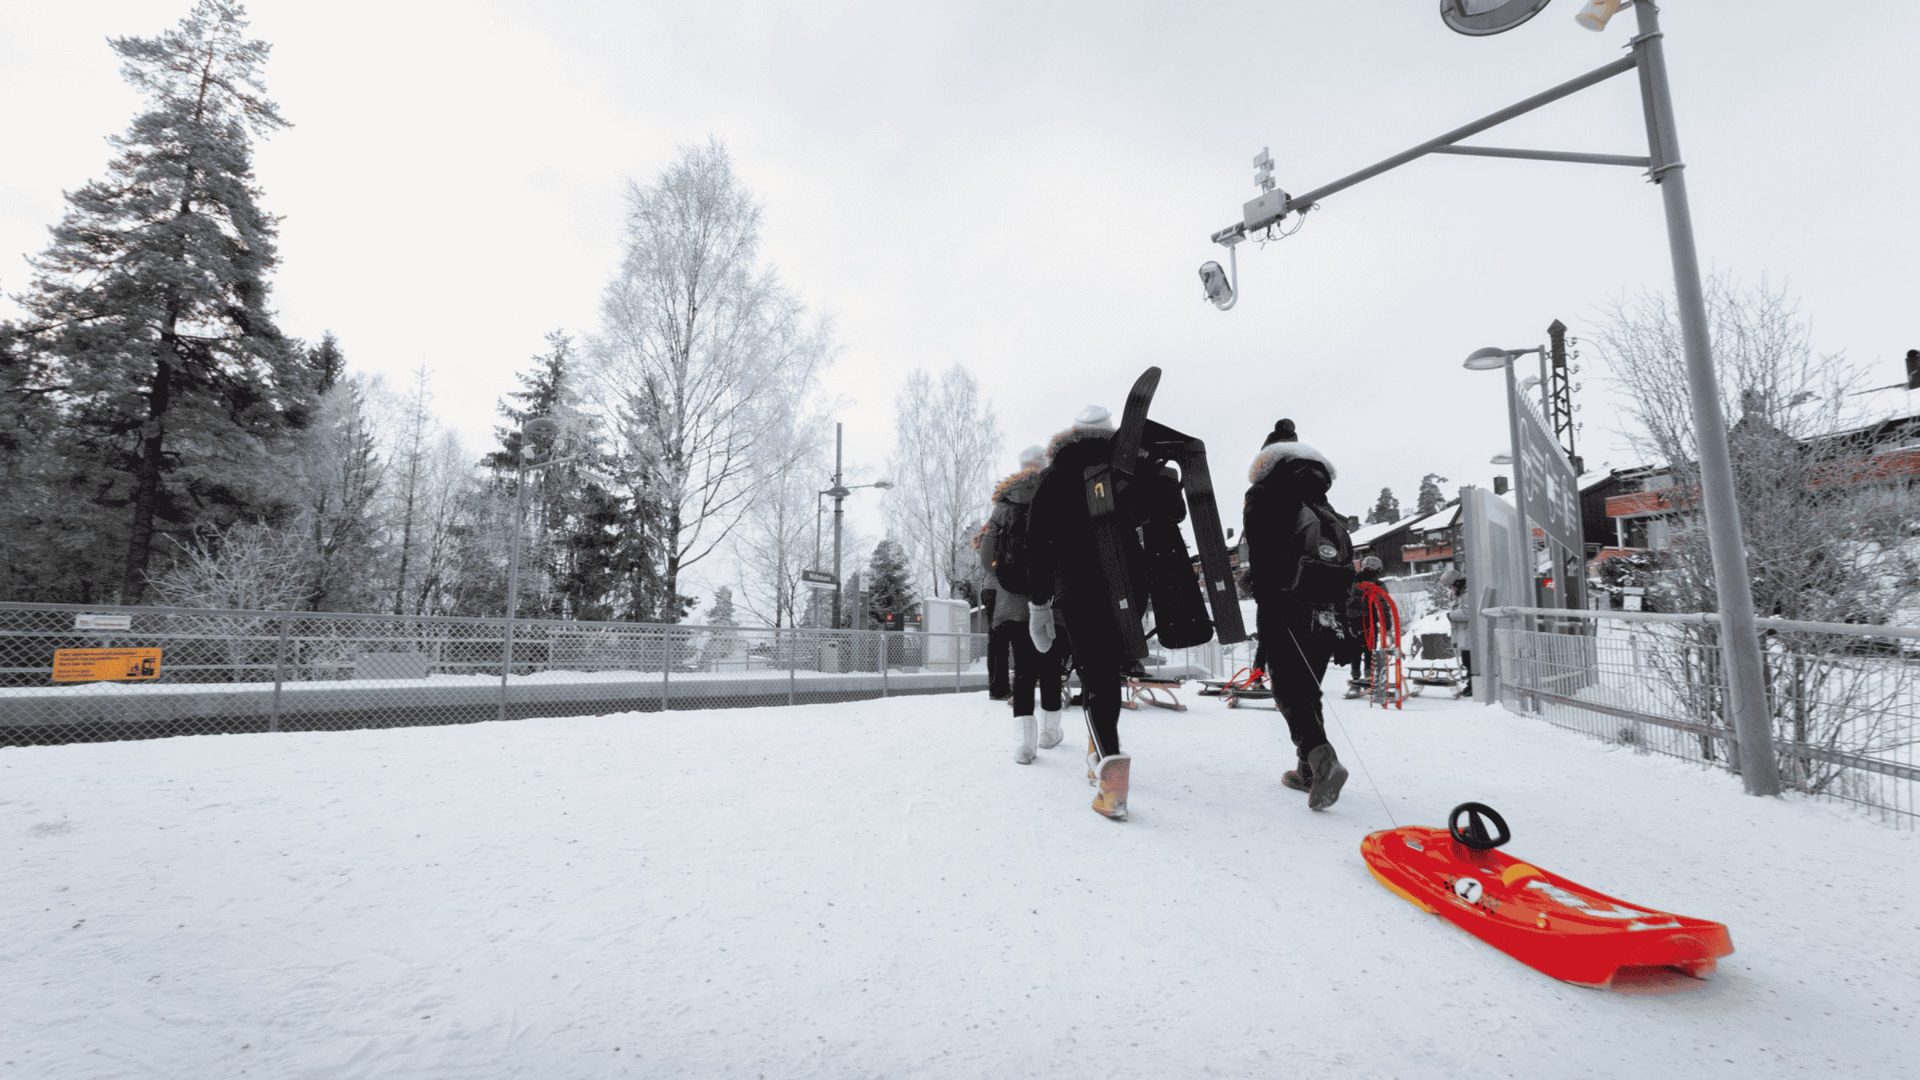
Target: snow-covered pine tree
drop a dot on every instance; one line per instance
(338, 474)
(573, 540)
(890, 583)
(1430, 499)
(151, 304)
(1385, 509)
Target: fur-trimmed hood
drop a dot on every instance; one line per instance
(1270, 457)
(1071, 436)
(1019, 487)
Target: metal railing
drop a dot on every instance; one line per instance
(1844, 700)
(245, 671)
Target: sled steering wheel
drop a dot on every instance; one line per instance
(1475, 834)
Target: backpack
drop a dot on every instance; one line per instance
(1325, 573)
(1010, 559)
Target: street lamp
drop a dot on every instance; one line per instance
(1493, 358)
(839, 492)
(1739, 633)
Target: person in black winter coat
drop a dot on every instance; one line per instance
(1032, 670)
(1302, 565)
(1071, 598)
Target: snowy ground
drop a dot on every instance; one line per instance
(876, 889)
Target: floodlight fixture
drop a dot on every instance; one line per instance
(1501, 459)
(1481, 18)
(1488, 359)
(540, 427)
(1595, 15)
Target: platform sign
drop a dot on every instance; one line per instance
(103, 622)
(1548, 485)
(105, 665)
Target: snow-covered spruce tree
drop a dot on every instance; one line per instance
(890, 583)
(30, 567)
(700, 352)
(150, 305)
(1430, 499)
(945, 442)
(1826, 531)
(335, 477)
(571, 538)
(1385, 509)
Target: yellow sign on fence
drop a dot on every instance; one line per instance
(105, 665)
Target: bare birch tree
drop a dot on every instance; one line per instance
(776, 538)
(700, 350)
(1825, 533)
(945, 442)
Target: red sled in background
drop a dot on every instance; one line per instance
(1543, 920)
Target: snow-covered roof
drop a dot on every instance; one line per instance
(1367, 534)
(1439, 519)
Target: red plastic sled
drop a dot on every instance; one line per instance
(1543, 920)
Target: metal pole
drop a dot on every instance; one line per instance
(1305, 202)
(513, 575)
(880, 640)
(1525, 540)
(666, 663)
(839, 498)
(792, 652)
(1546, 390)
(1739, 636)
(279, 672)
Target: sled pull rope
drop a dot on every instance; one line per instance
(1344, 733)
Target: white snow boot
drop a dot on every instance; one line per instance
(1050, 730)
(1029, 734)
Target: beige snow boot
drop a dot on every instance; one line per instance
(1112, 798)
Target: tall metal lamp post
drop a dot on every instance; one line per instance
(1496, 359)
(839, 492)
(1739, 633)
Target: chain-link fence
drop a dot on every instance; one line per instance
(1844, 700)
(70, 673)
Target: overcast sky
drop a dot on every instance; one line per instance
(1027, 190)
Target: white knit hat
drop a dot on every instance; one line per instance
(1031, 456)
(1093, 418)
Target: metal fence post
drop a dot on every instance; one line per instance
(880, 646)
(666, 663)
(279, 672)
(793, 658)
(959, 665)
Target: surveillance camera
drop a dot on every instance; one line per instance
(1219, 289)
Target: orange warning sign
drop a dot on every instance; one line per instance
(105, 665)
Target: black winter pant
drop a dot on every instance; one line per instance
(1031, 668)
(1000, 647)
(1098, 658)
(1299, 662)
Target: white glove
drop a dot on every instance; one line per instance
(1040, 625)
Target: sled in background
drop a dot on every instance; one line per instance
(1155, 692)
(1545, 921)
